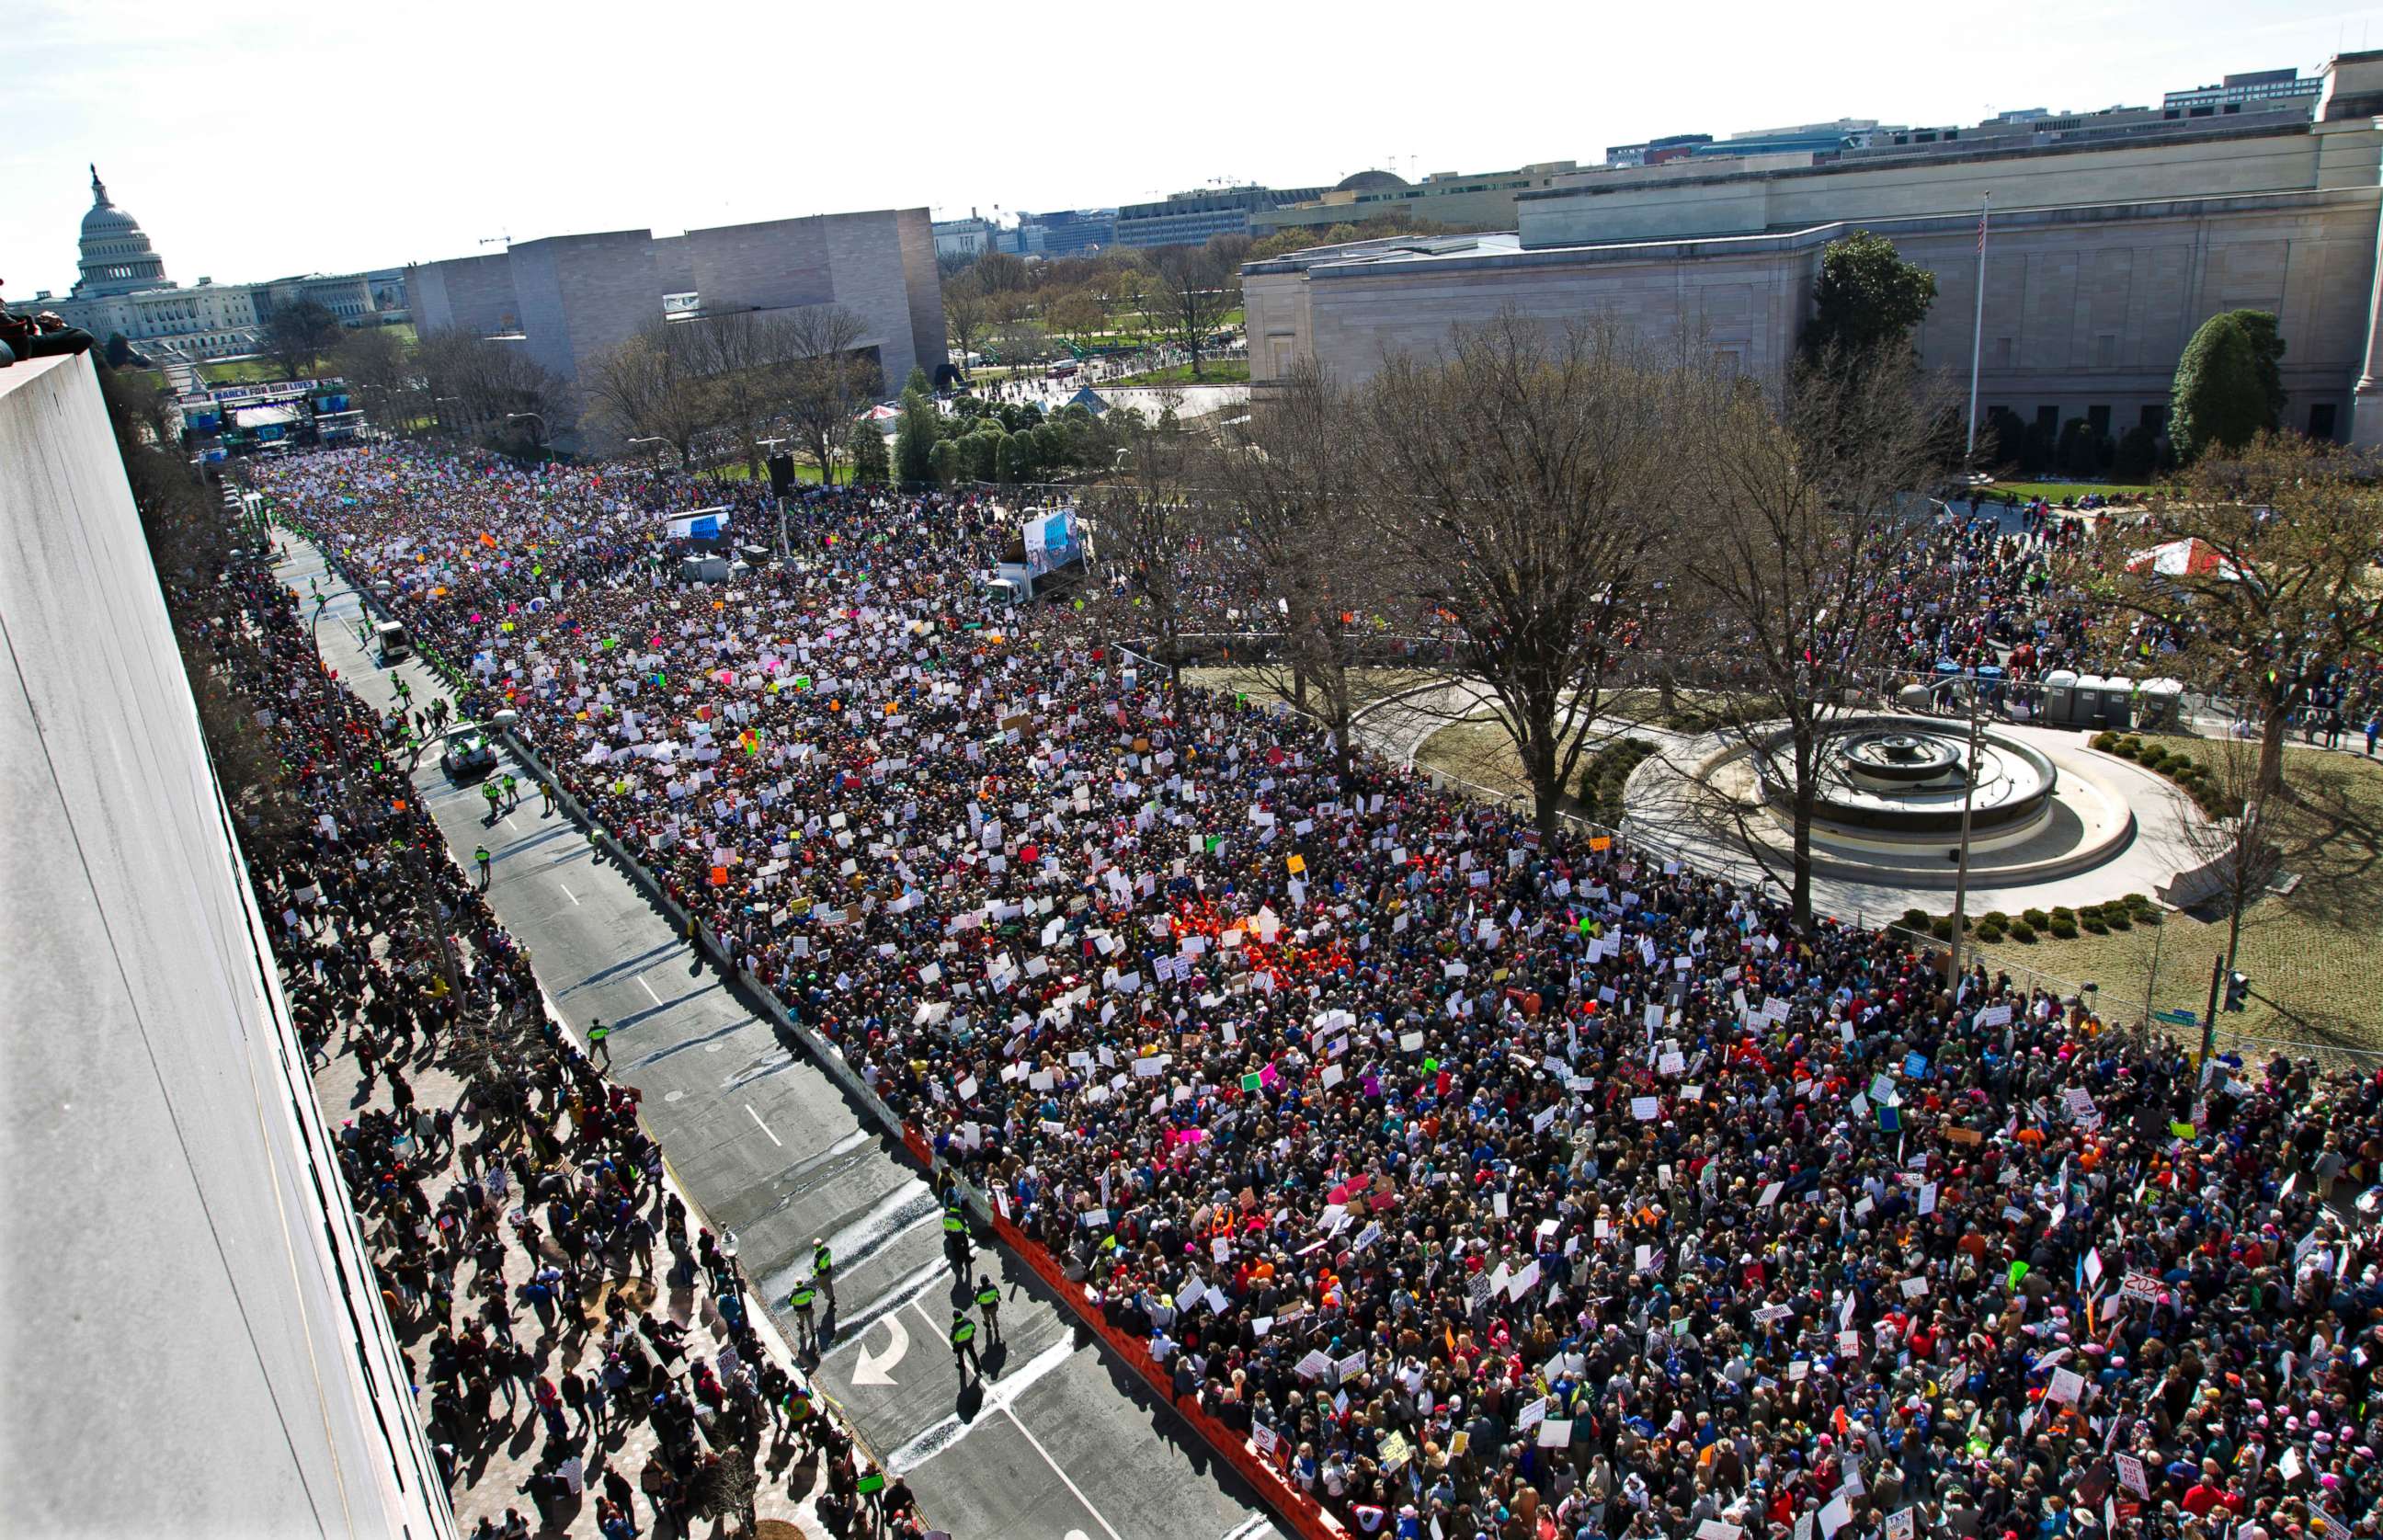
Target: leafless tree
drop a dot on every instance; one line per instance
(1285, 479)
(827, 381)
(967, 318)
(1516, 483)
(649, 387)
(1797, 503)
(1190, 290)
(2282, 580)
(475, 382)
(742, 358)
(1147, 524)
(2239, 842)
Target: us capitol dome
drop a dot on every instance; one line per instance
(116, 254)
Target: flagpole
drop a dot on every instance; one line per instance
(1977, 328)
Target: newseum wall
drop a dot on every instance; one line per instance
(190, 1341)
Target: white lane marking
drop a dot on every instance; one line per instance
(649, 989)
(873, 1368)
(567, 892)
(998, 1395)
(1071, 1486)
(763, 1126)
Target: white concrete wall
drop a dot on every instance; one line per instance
(189, 1339)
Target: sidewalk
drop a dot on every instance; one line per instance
(493, 1474)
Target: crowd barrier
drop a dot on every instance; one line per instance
(1303, 1514)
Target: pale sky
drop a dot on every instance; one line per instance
(256, 141)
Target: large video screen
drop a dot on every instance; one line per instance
(1051, 542)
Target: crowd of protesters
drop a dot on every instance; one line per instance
(1496, 1185)
(538, 1270)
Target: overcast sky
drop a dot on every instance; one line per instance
(255, 140)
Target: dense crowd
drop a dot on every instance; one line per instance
(1496, 1185)
(516, 1233)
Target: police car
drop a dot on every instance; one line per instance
(467, 753)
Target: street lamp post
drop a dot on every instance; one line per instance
(771, 444)
(1961, 871)
(537, 417)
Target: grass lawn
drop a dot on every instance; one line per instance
(241, 371)
(2313, 955)
(2054, 491)
(1214, 371)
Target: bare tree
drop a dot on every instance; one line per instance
(648, 388)
(741, 358)
(1797, 505)
(1285, 478)
(966, 315)
(387, 384)
(1190, 288)
(2239, 842)
(473, 382)
(827, 382)
(1517, 483)
(1147, 526)
(2280, 582)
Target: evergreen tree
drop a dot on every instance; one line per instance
(871, 465)
(2229, 384)
(914, 439)
(1868, 297)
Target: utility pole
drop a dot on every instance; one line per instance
(2209, 1018)
(1977, 335)
(1961, 872)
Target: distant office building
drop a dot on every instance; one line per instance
(1190, 218)
(1481, 199)
(2111, 242)
(1065, 233)
(569, 299)
(1654, 151)
(1845, 133)
(123, 290)
(2241, 93)
(965, 238)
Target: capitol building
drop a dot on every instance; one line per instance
(122, 290)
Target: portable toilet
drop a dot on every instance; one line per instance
(2162, 703)
(2060, 698)
(2107, 703)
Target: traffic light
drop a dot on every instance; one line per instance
(2238, 992)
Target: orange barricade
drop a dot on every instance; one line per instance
(1303, 1513)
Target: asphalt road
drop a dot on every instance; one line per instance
(1054, 1442)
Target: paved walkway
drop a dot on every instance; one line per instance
(1055, 1442)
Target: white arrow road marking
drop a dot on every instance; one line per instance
(872, 1369)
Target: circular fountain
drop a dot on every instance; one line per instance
(1908, 775)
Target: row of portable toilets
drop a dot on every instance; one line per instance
(2067, 698)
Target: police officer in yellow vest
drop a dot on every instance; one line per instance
(988, 1300)
(964, 1345)
(955, 1240)
(800, 1302)
(823, 1269)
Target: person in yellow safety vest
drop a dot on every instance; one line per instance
(823, 1269)
(955, 1241)
(800, 1302)
(964, 1345)
(988, 1300)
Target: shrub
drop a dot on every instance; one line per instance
(1915, 919)
(2094, 925)
(2116, 919)
(1941, 928)
(2106, 742)
(2147, 917)
(1995, 918)
(1990, 933)
(2064, 929)
(2022, 931)
(2137, 901)
(2037, 917)
(2131, 745)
